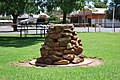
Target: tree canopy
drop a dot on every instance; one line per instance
(116, 5)
(100, 4)
(66, 6)
(17, 7)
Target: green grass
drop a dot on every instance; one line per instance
(101, 45)
(23, 35)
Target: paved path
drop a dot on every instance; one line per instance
(9, 30)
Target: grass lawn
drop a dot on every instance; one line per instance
(101, 45)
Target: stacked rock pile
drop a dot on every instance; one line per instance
(61, 46)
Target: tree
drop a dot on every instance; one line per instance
(100, 4)
(87, 1)
(109, 12)
(66, 6)
(15, 8)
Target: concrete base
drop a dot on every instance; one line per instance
(85, 63)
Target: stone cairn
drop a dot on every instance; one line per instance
(61, 46)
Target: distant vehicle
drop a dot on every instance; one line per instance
(27, 21)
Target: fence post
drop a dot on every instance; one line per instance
(114, 28)
(88, 28)
(95, 28)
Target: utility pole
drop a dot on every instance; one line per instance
(113, 19)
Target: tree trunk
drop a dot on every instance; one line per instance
(14, 25)
(64, 17)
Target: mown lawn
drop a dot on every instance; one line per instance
(100, 45)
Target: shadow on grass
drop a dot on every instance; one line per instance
(19, 42)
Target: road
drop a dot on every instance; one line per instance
(9, 30)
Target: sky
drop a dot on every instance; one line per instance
(109, 1)
(101, 0)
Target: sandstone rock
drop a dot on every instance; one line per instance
(68, 31)
(54, 44)
(62, 62)
(51, 30)
(77, 44)
(78, 50)
(69, 57)
(74, 37)
(46, 47)
(64, 41)
(73, 41)
(44, 52)
(65, 26)
(59, 48)
(56, 36)
(58, 29)
(43, 60)
(80, 43)
(56, 53)
(81, 55)
(51, 52)
(49, 40)
(71, 51)
(74, 33)
(69, 46)
(48, 61)
(79, 40)
(40, 60)
(67, 34)
(68, 26)
(54, 57)
(63, 44)
(77, 60)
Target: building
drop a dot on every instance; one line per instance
(91, 17)
(87, 16)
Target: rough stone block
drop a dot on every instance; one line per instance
(54, 57)
(56, 53)
(56, 36)
(69, 57)
(44, 52)
(62, 62)
(59, 48)
(71, 51)
(78, 50)
(54, 44)
(69, 46)
(77, 60)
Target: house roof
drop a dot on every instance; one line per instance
(89, 11)
(99, 10)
